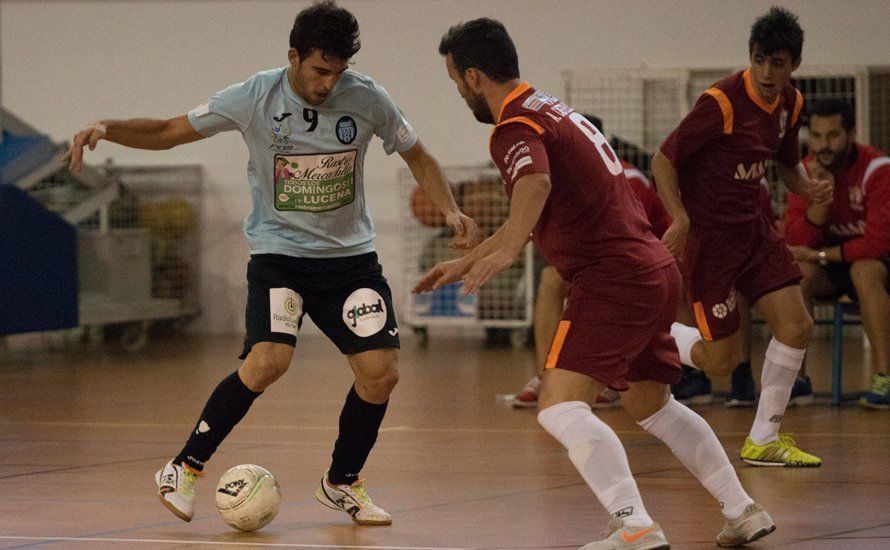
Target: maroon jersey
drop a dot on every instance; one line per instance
(591, 219)
(765, 200)
(658, 217)
(721, 148)
(859, 217)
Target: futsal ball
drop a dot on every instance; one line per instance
(247, 497)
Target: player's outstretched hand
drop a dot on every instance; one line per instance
(821, 192)
(441, 274)
(675, 238)
(89, 136)
(466, 232)
(485, 269)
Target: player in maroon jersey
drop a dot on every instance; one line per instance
(567, 188)
(552, 290)
(716, 157)
(695, 387)
(843, 248)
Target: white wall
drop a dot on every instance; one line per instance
(65, 63)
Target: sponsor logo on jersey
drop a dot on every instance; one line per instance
(203, 108)
(516, 158)
(364, 312)
(753, 171)
(314, 183)
(403, 133)
(346, 130)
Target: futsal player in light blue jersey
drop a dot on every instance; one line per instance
(307, 126)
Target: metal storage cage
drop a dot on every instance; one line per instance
(506, 301)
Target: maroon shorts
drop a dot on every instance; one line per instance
(619, 331)
(751, 259)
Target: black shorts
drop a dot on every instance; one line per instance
(348, 298)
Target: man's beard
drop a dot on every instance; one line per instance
(480, 109)
(838, 159)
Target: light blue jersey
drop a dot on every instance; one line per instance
(306, 168)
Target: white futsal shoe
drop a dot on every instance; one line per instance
(353, 500)
(176, 490)
(622, 537)
(754, 523)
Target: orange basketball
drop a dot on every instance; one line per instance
(424, 209)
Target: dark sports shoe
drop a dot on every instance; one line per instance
(801, 392)
(694, 388)
(743, 390)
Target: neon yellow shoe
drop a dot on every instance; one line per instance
(781, 452)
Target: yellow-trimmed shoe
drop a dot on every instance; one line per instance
(781, 452)
(353, 500)
(176, 489)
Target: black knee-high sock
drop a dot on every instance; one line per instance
(359, 423)
(226, 406)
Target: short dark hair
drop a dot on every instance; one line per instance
(482, 44)
(831, 106)
(777, 31)
(327, 27)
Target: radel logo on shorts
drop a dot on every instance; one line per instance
(364, 312)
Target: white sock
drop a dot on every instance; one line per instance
(779, 372)
(686, 337)
(694, 443)
(597, 453)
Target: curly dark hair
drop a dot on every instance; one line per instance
(327, 27)
(777, 31)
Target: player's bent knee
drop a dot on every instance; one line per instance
(265, 364)
(795, 332)
(720, 358)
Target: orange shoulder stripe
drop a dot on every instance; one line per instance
(523, 120)
(517, 119)
(517, 91)
(798, 105)
(725, 108)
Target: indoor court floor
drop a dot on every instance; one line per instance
(82, 433)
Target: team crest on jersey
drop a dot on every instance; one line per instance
(346, 130)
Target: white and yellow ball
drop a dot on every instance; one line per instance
(247, 497)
